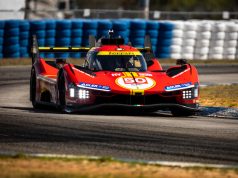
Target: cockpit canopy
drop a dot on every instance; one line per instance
(119, 63)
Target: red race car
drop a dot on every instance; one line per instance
(114, 75)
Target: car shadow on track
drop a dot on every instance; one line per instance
(97, 112)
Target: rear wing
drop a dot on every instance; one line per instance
(63, 49)
(35, 50)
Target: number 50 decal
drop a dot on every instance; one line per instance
(141, 83)
(129, 80)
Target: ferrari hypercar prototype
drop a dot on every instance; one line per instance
(114, 75)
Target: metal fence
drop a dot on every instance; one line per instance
(118, 13)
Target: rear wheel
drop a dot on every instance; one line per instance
(181, 112)
(33, 89)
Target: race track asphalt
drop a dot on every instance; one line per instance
(155, 136)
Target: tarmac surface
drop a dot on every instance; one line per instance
(155, 136)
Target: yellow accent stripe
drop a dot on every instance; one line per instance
(127, 74)
(130, 74)
(134, 74)
(128, 53)
(62, 48)
(137, 92)
(44, 48)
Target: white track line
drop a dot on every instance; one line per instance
(163, 163)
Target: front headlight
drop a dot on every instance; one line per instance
(71, 92)
(76, 92)
(191, 93)
(187, 94)
(83, 94)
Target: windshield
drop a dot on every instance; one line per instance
(121, 63)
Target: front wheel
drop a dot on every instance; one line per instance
(61, 90)
(33, 90)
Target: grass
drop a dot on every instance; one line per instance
(222, 95)
(27, 61)
(32, 167)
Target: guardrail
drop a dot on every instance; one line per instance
(119, 13)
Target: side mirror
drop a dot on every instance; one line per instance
(181, 61)
(60, 62)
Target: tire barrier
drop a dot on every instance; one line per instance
(230, 41)
(103, 27)
(165, 40)
(121, 29)
(2, 24)
(89, 28)
(203, 41)
(63, 36)
(11, 46)
(50, 36)
(170, 39)
(37, 27)
(152, 29)
(189, 37)
(24, 27)
(177, 40)
(137, 33)
(76, 36)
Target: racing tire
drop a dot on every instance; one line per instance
(50, 24)
(152, 25)
(77, 24)
(33, 90)
(61, 91)
(181, 112)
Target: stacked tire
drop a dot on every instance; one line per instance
(152, 29)
(76, 36)
(89, 28)
(137, 33)
(63, 36)
(203, 41)
(24, 38)
(189, 39)
(217, 41)
(11, 39)
(50, 36)
(165, 40)
(176, 47)
(2, 23)
(121, 29)
(103, 27)
(230, 44)
(37, 28)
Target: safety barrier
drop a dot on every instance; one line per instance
(170, 39)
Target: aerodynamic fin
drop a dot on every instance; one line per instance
(34, 50)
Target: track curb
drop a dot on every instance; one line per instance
(158, 163)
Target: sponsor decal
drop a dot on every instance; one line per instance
(128, 53)
(179, 86)
(116, 74)
(133, 81)
(94, 86)
(145, 74)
